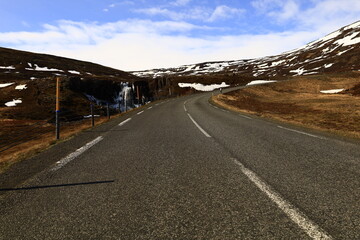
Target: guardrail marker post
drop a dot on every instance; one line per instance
(92, 115)
(125, 102)
(57, 111)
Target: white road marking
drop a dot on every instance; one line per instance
(244, 116)
(311, 228)
(75, 154)
(185, 106)
(304, 133)
(150, 107)
(123, 122)
(140, 112)
(198, 126)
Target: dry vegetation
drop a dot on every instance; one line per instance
(40, 139)
(300, 102)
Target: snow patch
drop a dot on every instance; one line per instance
(2, 85)
(340, 53)
(352, 26)
(8, 68)
(74, 72)
(349, 40)
(203, 88)
(328, 65)
(274, 64)
(90, 116)
(299, 71)
(13, 103)
(257, 82)
(44, 69)
(21, 87)
(332, 91)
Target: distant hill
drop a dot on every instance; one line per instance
(27, 85)
(335, 53)
(21, 65)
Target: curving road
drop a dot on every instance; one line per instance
(185, 169)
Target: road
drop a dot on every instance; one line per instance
(185, 169)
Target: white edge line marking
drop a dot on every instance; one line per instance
(229, 111)
(304, 133)
(198, 126)
(185, 106)
(75, 154)
(123, 122)
(150, 107)
(140, 112)
(244, 116)
(311, 228)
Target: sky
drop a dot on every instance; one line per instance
(138, 35)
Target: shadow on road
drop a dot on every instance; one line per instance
(55, 186)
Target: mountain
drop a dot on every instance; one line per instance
(336, 52)
(27, 85)
(21, 65)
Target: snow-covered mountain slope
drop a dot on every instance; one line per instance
(21, 65)
(336, 52)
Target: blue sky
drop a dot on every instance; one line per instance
(136, 35)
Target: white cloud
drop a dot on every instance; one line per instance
(318, 15)
(330, 14)
(224, 12)
(264, 6)
(139, 44)
(180, 2)
(280, 10)
(195, 13)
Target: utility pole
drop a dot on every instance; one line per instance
(57, 110)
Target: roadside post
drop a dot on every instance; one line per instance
(57, 110)
(138, 94)
(92, 114)
(108, 110)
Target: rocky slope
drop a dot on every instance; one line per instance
(336, 52)
(27, 85)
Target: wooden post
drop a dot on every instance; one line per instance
(57, 110)
(92, 115)
(138, 94)
(108, 110)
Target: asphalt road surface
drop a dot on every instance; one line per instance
(185, 169)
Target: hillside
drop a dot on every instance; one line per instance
(27, 85)
(27, 98)
(336, 52)
(21, 65)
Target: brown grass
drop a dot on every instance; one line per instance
(300, 102)
(41, 142)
